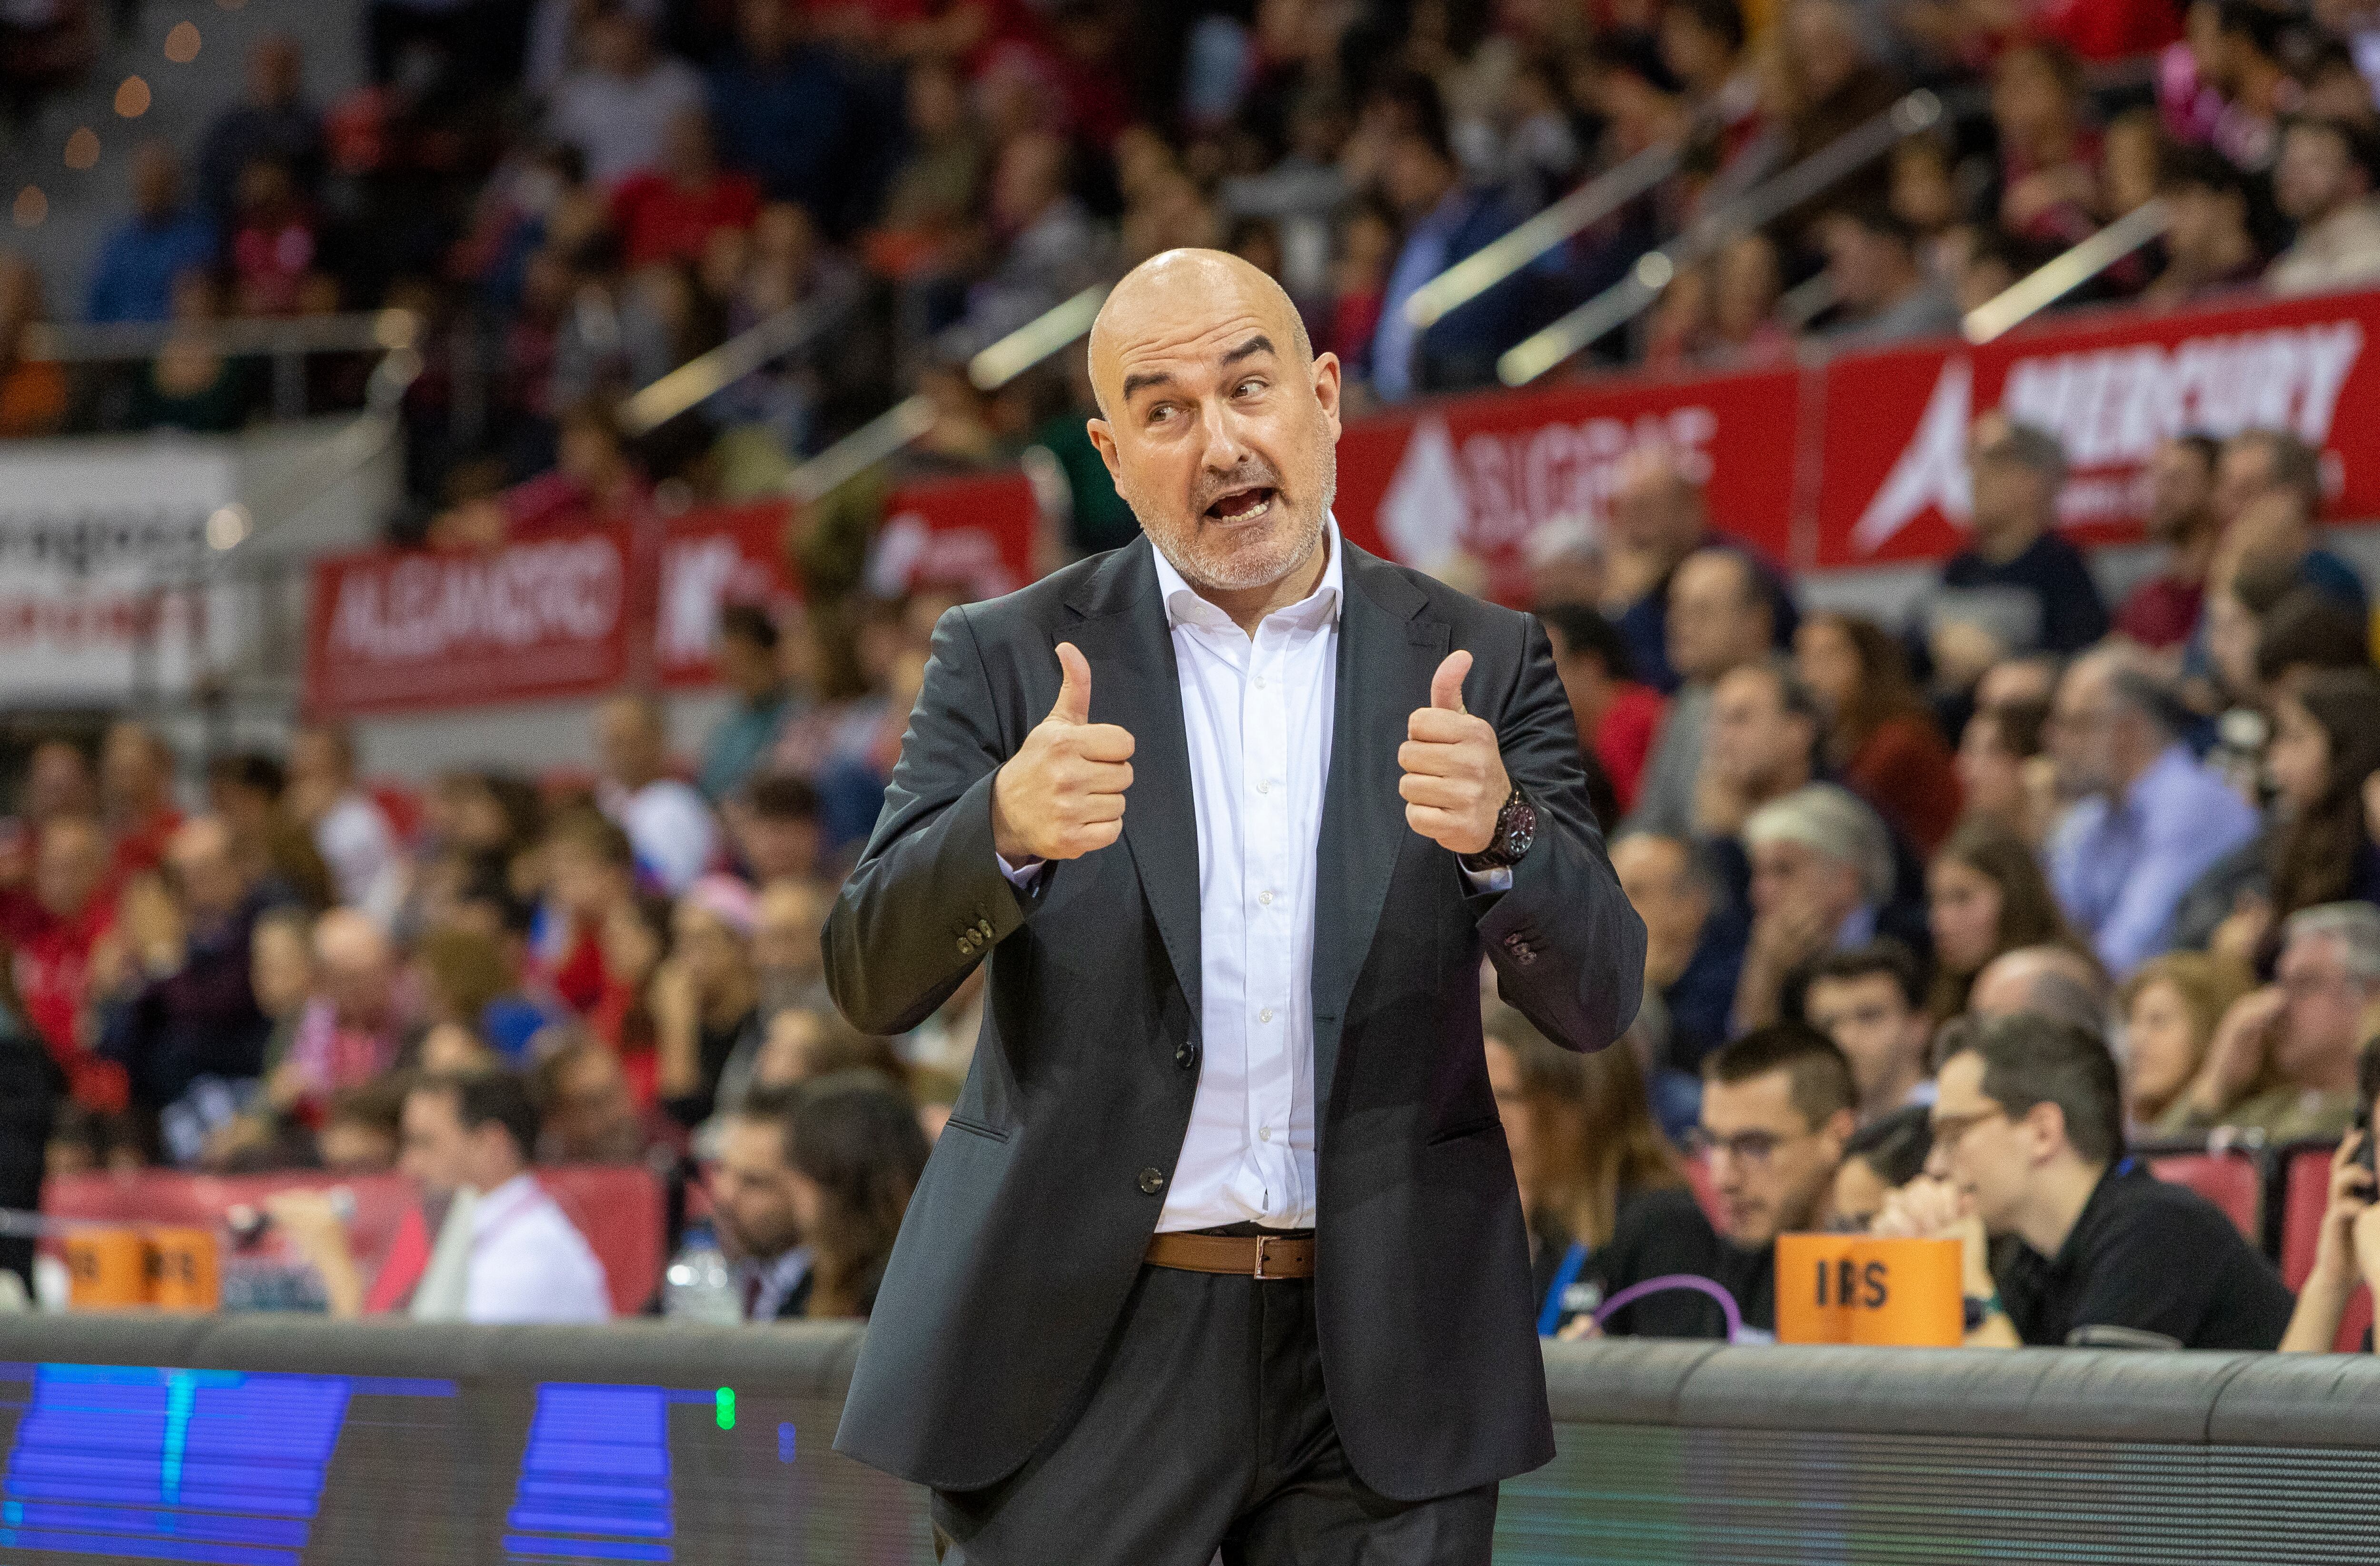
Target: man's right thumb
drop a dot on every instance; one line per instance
(1074, 693)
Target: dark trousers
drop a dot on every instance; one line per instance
(1204, 1427)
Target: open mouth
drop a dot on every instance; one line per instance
(1243, 506)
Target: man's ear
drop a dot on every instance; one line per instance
(2045, 1125)
(1103, 440)
(1838, 1128)
(1327, 388)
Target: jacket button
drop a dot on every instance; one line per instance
(1152, 1181)
(1185, 1054)
(983, 927)
(963, 947)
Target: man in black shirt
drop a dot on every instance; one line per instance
(1777, 1105)
(2019, 587)
(2029, 1143)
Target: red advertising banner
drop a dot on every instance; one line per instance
(711, 558)
(1479, 476)
(975, 533)
(390, 632)
(1892, 481)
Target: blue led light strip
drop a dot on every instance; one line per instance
(206, 1466)
(595, 1478)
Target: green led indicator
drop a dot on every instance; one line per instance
(726, 1403)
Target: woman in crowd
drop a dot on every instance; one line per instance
(2000, 767)
(2313, 848)
(1880, 738)
(1984, 895)
(858, 1151)
(1583, 1145)
(706, 998)
(1881, 1156)
(2170, 1007)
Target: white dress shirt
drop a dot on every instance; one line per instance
(528, 1261)
(1257, 713)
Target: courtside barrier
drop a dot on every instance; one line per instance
(255, 1439)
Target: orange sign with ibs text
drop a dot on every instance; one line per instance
(1853, 1289)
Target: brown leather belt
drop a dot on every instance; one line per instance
(1248, 1256)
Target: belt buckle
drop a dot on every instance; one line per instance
(1262, 1241)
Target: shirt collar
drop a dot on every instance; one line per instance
(505, 1203)
(1184, 606)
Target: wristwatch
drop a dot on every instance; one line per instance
(1980, 1309)
(1516, 829)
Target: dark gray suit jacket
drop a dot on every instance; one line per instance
(1027, 1229)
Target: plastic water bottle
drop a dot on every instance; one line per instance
(698, 1286)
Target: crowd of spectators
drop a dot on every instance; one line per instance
(1950, 916)
(577, 198)
(285, 969)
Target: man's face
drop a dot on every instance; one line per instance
(1984, 1153)
(57, 781)
(787, 921)
(778, 847)
(626, 738)
(130, 776)
(750, 669)
(752, 1189)
(2316, 175)
(200, 858)
(1658, 878)
(1872, 1023)
(69, 866)
(2325, 1004)
(1710, 615)
(1789, 876)
(2081, 733)
(1752, 741)
(2009, 496)
(1862, 263)
(1771, 1167)
(436, 1151)
(2181, 487)
(2243, 472)
(1652, 509)
(591, 1102)
(1223, 445)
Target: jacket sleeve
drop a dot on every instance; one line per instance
(1569, 951)
(927, 900)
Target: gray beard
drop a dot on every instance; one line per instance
(1200, 575)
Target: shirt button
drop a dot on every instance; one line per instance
(1263, 787)
(1265, 898)
(1152, 1181)
(1260, 682)
(1264, 1015)
(1264, 1132)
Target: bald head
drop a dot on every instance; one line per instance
(2051, 982)
(1218, 279)
(1218, 421)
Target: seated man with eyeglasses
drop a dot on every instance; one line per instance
(2028, 1147)
(1778, 1106)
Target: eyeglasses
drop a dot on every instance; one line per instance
(1949, 1129)
(1751, 1149)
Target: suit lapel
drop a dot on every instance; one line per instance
(1134, 684)
(1387, 653)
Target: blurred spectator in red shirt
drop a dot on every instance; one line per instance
(1359, 280)
(2164, 610)
(352, 1027)
(2049, 180)
(594, 480)
(136, 784)
(670, 212)
(272, 240)
(54, 924)
(1617, 716)
(1880, 738)
(590, 872)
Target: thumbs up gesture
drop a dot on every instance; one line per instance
(1061, 794)
(1454, 783)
